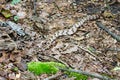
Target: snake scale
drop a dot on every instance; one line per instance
(70, 31)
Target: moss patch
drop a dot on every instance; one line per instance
(77, 76)
(39, 68)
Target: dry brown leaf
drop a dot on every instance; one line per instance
(4, 57)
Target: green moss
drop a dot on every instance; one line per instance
(39, 68)
(77, 76)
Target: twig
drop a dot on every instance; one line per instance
(100, 25)
(60, 61)
(90, 53)
(86, 73)
(56, 6)
(113, 49)
(34, 6)
(53, 77)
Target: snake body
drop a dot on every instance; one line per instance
(64, 32)
(70, 31)
(74, 27)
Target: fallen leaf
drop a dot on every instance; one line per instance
(6, 13)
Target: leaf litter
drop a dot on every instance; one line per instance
(54, 15)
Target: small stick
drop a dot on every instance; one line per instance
(86, 73)
(34, 6)
(100, 25)
(56, 6)
(53, 77)
(90, 53)
(61, 61)
(113, 49)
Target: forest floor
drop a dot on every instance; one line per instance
(90, 49)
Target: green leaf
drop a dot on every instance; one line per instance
(6, 13)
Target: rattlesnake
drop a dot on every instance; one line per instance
(64, 32)
(69, 31)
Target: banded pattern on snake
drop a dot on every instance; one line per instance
(70, 31)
